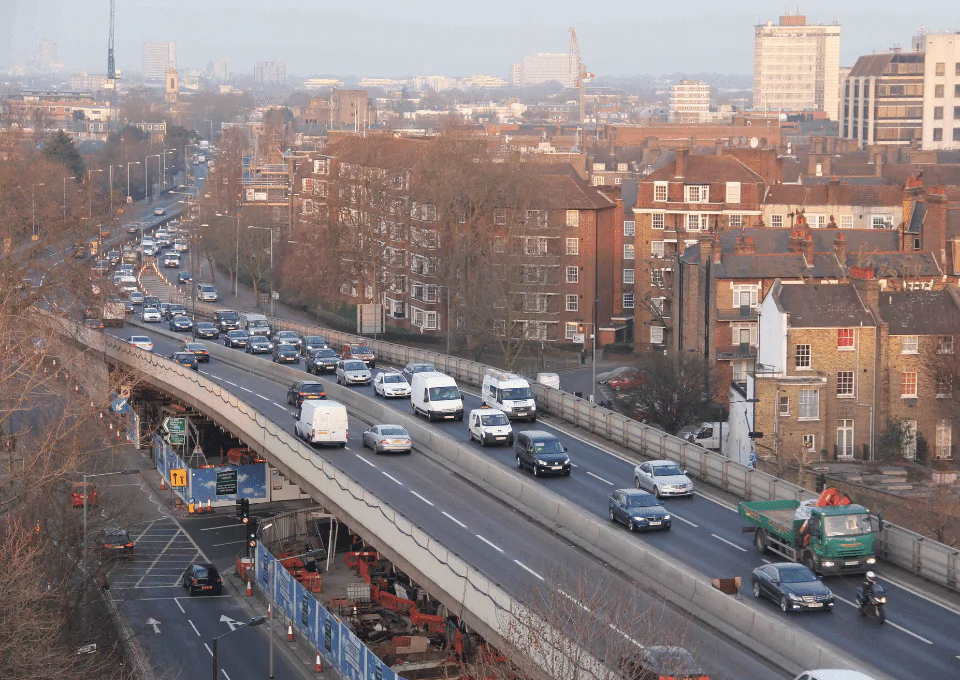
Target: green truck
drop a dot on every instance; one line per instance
(837, 539)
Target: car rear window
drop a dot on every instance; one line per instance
(393, 431)
(312, 388)
(201, 572)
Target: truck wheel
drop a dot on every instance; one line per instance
(760, 541)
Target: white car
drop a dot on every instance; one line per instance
(158, 211)
(662, 478)
(171, 260)
(391, 384)
(180, 246)
(150, 314)
(206, 293)
(141, 341)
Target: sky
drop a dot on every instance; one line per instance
(393, 38)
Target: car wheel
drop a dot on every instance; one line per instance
(536, 470)
(656, 492)
(519, 463)
(631, 526)
(756, 589)
(567, 473)
(610, 515)
(636, 482)
(784, 606)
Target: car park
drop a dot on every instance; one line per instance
(206, 293)
(136, 297)
(305, 390)
(286, 354)
(417, 367)
(257, 344)
(660, 662)
(77, 495)
(387, 439)
(490, 426)
(181, 323)
(94, 324)
(184, 277)
(226, 320)
(317, 360)
(436, 395)
(314, 342)
(202, 578)
(150, 315)
(188, 359)
(353, 372)
(542, 452)
(116, 543)
(638, 510)
(199, 349)
(510, 393)
(206, 331)
(792, 586)
(141, 341)
(322, 421)
(287, 338)
(662, 478)
(390, 384)
(236, 339)
(361, 352)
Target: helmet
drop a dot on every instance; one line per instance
(871, 577)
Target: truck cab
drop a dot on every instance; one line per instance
(708, 435)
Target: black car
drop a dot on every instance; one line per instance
(303, 390)
(199, 350)
(206, 331)
(181, 323)
(184, 277)
(151, 301)
(226, 320)
(202, 578)
(259, 345)
(287, 338)
(188, 359)
(173, 309)
(417, 367)
(236, 338)
(541, 452)
(314, 342)
(661, 661)
(638, 510)
(286, 354)
(133, 229)
(128, 307)
(116, 543)
(321, 360)
(792, 586)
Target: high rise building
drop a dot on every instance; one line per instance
(157, 58)
(535, 69)
(689, 102)
(796, 66)
(270, 72)
(220, 70)
(941, 91)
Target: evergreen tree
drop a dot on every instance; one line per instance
(62, 149)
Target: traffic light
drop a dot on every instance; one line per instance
(821, 482)
(245, 510)
(251, 537)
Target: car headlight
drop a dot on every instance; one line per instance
(793, 597)
(882, 600)
(639, 519)
(566, 461)
(871, 560)
(666, 517)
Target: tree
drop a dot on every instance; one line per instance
(178, 138)
(61, 148)
(895, 439)
(675, 391)
(255, 257)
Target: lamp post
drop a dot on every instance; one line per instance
(33, 211)
(90, 188)
(165, 152)
(271, 263)
(65, 198)
(236, 270)
(252, 623)
(593, 386)
(128, 177)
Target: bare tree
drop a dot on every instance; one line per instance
(255, 257)
(674, 391)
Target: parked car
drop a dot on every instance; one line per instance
(199, 349)
(287, 338)
(390, 384)
(286, 354)
(206, 292)
(387, 439)
(792, 586)
(202, 578)
(184, 277)
(638, 510)
(314, 342)
(259, 345)
(360, 352)
(542, 452)
(662, 478)
(116, 543)
(181, 323)
(353, 372)
(141, 341)
(206, 331)
(417, 367)
(304, 390)
(237, 339)
(188, 359)
(94, 324)
(625, 381)
(490, 426)
(317, 360)
(77, 494)
(150, 315)
(659, 662)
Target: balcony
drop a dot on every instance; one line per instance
(741, 351)
(742, 313)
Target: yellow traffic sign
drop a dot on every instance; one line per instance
(178, 477)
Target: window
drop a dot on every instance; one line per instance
(845, 439)
(910, 439)
(740, 372)
(500, 216)
(804, 360)
(536, 218)
(656, 249)
(808, 405)
(956, 134)
(941, 68)
(844, 383)
(629, 251)
(656, 278)
(956, 112)
(733, 192)
(571, 330)
(956, 90)
(745, 296)
(598, 180)
(938, 113)
(628, 300)
(809, 442)
(938, 91)
(628, 276)
(573, 275)
(657, 220)
(629, 228)
(499, 244)
(622, 167)
(908, 384)
(573, 303)
(694, 223)
(909, 345)
(938, 134)
(845, 338)
(461, 218)
(535, 246)
(656, 305)
(776, 221)
(535, 330)
(846, 221)
(602, 167)
(696, 193)
(736, 220)
(957, 69)
(573, 246)
(944, 387)
(944, 438)
(881, 221)
(656, 335)
(817, 221)
(430, 321)
(573, 218)
(784, 406)
(945, 344)
(660, 192)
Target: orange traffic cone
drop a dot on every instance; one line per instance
(319, 665)
(249, 588)
(209, 506)
(290, 631)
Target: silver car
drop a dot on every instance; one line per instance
(662, 478)
(387, 439)
(150, 314)
(353, 372)
(391, 384)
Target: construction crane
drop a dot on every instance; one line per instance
(111, 61)
(580, 71)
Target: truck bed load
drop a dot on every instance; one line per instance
(113, 313)
(777, 517)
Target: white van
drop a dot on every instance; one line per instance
(255, 324)
(510, 393)
(708, 435)
(321, 421)
(490, 426)
(436, 395)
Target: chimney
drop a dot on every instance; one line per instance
(706, 250)
(717, 248)
(840, 250)
(799, 234)
(878, 163)
(682, 155)
(833, 191)
(744, 245)
(808, 250)
(719, 151)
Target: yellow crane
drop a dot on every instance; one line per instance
(580, 71)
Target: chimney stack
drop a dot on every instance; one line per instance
(682, 155)
(808, 250)
(717, 248)
(744, 245)
(840, 249)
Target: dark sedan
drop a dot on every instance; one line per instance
(321, 360)
(303, 390)
(259, 345)
(236, 339)
(792, 586)
(116, 543)
(287, 338)
(206, 331)
(312, 342)
(181, 323)
(661, 661)
(199, 350)
(286, 354)
(188, 359)
(638, 510)
(184, 277)
(202, 578)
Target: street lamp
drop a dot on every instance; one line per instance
(271, 262)
(33, 211)
(128, 177)
(90, 188)
(165, 152)
(593, 386)
(252, 623)
(83, 560)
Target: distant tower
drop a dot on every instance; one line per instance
(172, 86)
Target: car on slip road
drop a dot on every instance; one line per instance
(202, 577)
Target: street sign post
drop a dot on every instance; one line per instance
(175, 425)
(176, 439)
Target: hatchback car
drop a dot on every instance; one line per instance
(77, 495)
(287, 338)
(127, 306)
(236, 338)
(390, 384)
(387, 439)
(150, 315)
(199, 350)
(116, 543)
(206, 331)
(141, 341)
(304, 390)
(417, 367)
(202, 578)
(792, 586)
(259, 345)
(661, 661)
(353, 372)
(95, 324)
(286, 354)
(541, 452)
(184, 277)
(317, 360)
(638, 510)
(181, 323)
(314, 342)
(662, 478)
(188, 359)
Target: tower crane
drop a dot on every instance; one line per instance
(111, 61)
(580, 72)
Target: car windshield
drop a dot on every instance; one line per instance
(286, 349)
(325, 354)
(493, 420)
(666, 471)
(206, 289)
(518, 393)
(796, 575)
(195, 346)
(846, 525)
(393, 378)
(393, 432)
(547, 446)
(181, 319)
(258, 323)
(641, 500)
(354, 366)
(287, 335)
(447, 393)
(422, 368)
(237, 334)
(228, 316)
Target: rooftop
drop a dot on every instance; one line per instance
(845, 194)
(920, 312)
(824, 306)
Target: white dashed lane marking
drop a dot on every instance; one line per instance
(600, 478)
(391, 477)
(528, 569)
(730, 543)
(428, 502)
(451, 517)
(492, 545)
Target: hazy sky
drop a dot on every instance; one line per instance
(445, 37)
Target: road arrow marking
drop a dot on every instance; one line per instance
(230, 622)
(156, 625)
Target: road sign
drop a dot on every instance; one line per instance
(178, 425)
(578, 338)
(175, 439)
(178, 477)
(226, 482)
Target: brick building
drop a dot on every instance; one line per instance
(836, 204)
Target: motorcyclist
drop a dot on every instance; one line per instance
(869, 581)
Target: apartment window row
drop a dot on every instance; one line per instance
(938, 91)
(938, 134)
(628, 276)
(421, 318)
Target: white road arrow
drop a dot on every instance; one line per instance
(156, 625)
(230, 622)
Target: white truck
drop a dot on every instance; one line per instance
(436, 395)
(490, 426)
(322, 421)
(708, 435)
(113, 313)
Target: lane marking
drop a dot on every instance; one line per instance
(600, 478)
(765, 560)
(730, 543)
(625, 636)
(391, 477)
(220, 545)
(263, 397)
(492, 545)
(279, 406)
(230, 383)
(247, 390)
(225, 674)
(909, 632)
(182, 610)
(210, 651)
(193, 626)
(449, 516)
(169, 543)
(365, 460)
(916, 593)
(574, 600)
(222, 526)
(574, 465)
(428, 502)
(685, 521)
(528, 569)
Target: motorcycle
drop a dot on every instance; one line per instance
(873, 604)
